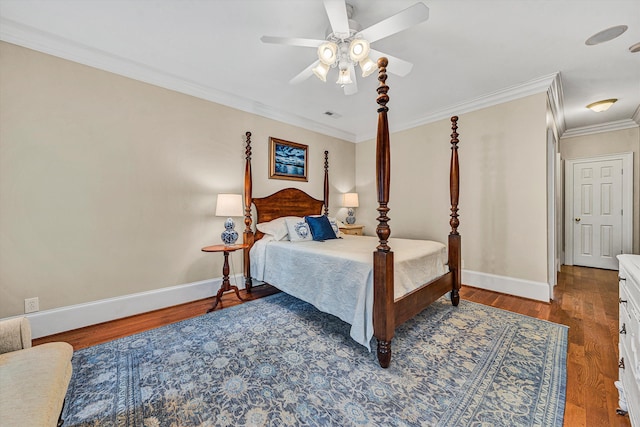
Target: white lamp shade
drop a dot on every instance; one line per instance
(229, 205)
(350, 200)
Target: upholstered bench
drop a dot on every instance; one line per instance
(33, 380)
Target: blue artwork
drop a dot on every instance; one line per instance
(289, 160)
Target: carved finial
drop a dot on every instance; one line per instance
(326, 183)
(455, 179)
(248, 142)
(454, 134)
(247, 186)
(382, 88)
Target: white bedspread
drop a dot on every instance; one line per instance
(336, 276)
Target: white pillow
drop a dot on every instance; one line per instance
(276, 228)
(334, 225)
(299, 230)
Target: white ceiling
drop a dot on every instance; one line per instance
(468, 54)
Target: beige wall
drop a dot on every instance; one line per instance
(108, 185)
(599, 144)
(503, 200)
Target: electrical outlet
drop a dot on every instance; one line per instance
(31, 305)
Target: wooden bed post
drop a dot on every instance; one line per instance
(455, 255)
(383, 304)
(326, 183)
(247, 236)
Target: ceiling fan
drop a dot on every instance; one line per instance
(347, 45)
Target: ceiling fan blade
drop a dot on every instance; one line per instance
(409, 17)
(396, 66)
(352, 88)
(337, 13)
(304, 74)
(292, 41)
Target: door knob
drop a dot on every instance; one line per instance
(577, 219)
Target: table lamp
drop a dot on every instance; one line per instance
(229, 205)
(350, 200)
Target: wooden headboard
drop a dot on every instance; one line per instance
(287, 202)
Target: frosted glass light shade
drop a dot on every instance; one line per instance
(367, 66)
(358, 50)
(601, 106)
(344, 78)
(328, 53)
(321, 71)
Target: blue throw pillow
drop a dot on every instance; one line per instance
(320, 228)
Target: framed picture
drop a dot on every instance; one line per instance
(287, 160)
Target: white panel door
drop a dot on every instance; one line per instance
(597, 211)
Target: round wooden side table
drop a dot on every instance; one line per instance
(226, 285)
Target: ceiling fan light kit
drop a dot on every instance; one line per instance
(347, 46)
(343, 53)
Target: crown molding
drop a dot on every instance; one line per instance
(29, 37)
(600, 128)
(636, 116)
(532, 87)
(555, 95)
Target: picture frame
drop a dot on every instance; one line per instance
(288, 160)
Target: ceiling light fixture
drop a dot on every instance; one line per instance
(634, 48)
(606, 35)
(344, 51)
(601, 106)
(344, 54)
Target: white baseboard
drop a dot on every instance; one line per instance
(49, 322)
(507, 285)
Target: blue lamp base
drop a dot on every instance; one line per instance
(229, 235)
(350, 218)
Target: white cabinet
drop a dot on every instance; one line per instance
(629, 345)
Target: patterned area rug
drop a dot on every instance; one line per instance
(278, 361)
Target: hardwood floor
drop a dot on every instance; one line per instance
(104, 332)
(586, 300)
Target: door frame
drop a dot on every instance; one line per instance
(552, 211)
(627, 200)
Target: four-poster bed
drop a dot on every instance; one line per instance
(379, 306)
